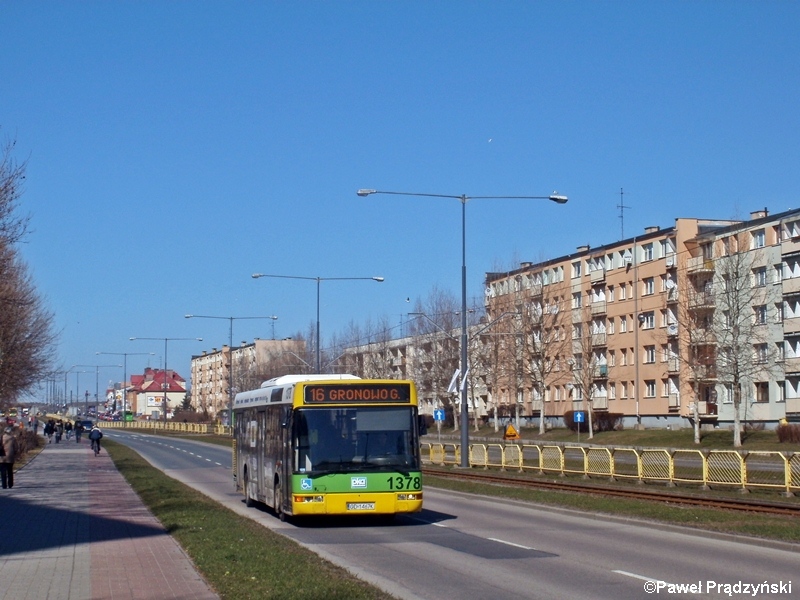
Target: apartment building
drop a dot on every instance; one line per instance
(247, 365)
(663, 328)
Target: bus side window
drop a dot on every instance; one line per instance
(423, 425)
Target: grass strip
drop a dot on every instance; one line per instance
(780, 528)
(238, 557)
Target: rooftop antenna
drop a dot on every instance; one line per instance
(621, 208)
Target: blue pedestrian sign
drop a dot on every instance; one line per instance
(438, 414)
(579, 417)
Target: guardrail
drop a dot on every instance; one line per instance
(744, 470)
(168, 426)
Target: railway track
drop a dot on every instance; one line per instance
(666, 497)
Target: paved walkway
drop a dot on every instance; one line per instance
(72, 528)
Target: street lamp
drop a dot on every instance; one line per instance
(96, 385)
(230, 347)
(318, 280)
(554, 197)
(166, 340)
(125, 375)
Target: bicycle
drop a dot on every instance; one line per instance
(96, 446)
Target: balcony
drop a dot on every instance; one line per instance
(672, 295)
(600, 403)
(791, 325)
(792, 406)
(673, 365)
(601, 372)
(703, 373)
(790, 245)
(704, 409)
(791, 364)
(599, 339)
(701, 300)
(598, 307)
(790, 285)
(674, 401)
(597, 276)
(700, 265)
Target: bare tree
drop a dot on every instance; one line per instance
(26, 326)
(730, 346)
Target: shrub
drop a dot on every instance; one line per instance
(604, 421)
(789, 433)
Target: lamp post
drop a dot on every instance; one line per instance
(125, 375)
(554, 197)
(318, 280)
(230, 347)
(96, 384)
(166, 340)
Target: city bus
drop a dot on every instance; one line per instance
(328, 445)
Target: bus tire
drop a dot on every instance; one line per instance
(248, 501)
(279, 501)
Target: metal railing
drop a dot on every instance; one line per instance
(745, 470)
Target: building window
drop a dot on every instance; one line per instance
(623, 324)
(647, 252)
(576, 300)
(622, 291)
(612, 358)
(623, 387)
(611, 293)
(762, 391)
(760, 277)
(761, 353)
(611, 322)
(779, 312)
(760, 314)
(759, 239)
(649, 354)
(576, 269)
(650, 388)
(648, 287)
(623, 357)
(648, 320)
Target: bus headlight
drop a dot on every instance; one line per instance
(308, 499)
(410, 496)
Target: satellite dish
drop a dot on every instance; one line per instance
(670, 284)
(672, 329)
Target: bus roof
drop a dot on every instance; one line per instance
(284, 379)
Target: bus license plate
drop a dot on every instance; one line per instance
(360, 506)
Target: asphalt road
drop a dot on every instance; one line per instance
(473, 547)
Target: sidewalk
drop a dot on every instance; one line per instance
(72, 528)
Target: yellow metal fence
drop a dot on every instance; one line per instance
(745, 470)
(168, 426)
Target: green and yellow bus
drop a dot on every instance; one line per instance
(329, 445)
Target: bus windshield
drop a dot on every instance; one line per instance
(339, 440)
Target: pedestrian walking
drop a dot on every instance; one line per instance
(59, 430)
(68, 429)
(8, 454)
(49, 430)
(79, 429)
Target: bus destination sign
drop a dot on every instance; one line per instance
(356, 393)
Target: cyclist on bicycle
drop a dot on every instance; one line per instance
(95, 435)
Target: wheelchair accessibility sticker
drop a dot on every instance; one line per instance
(306, 484)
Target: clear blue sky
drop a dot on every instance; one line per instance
(174, 148)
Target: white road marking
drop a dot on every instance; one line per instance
(510, 544)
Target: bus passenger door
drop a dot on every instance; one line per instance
(262, 479)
